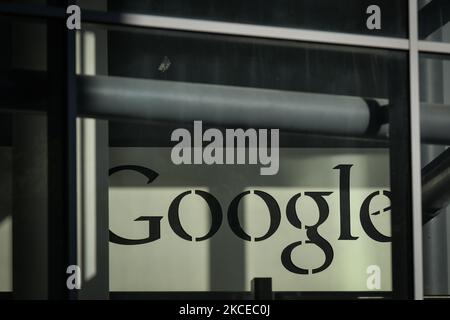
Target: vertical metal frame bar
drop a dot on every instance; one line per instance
(71, 118)
(415, 148)
(400, 178)
(62, 157)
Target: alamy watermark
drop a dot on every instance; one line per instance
(74, 279)
(374, 279)
(374, 20)
(73, 22)
(237, 147)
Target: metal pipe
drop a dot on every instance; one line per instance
(225, 105)
(436, 186)
(127, 98)
(178, 101)
(435, 123)
(305, 112)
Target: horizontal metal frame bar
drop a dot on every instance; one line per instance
(434, 47)
(245, 295)
(33, 10)
(224, 28)
(247, 30)
(215, 27)
(227, 28)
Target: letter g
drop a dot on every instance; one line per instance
(154, 222)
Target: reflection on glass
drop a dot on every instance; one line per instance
(211, 227)
(435, 110)
(434, 16)
(23, 159)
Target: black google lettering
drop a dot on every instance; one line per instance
(312, 233)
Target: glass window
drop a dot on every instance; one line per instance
(435, 111)
(434, 16)
(162, 163)
(224, 225)
(23, 159)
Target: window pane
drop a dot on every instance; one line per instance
(23, 159)
(435, 109)
(164, 218)
(328, 15)
(434, 16)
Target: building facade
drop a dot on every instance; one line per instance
(224, 149)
